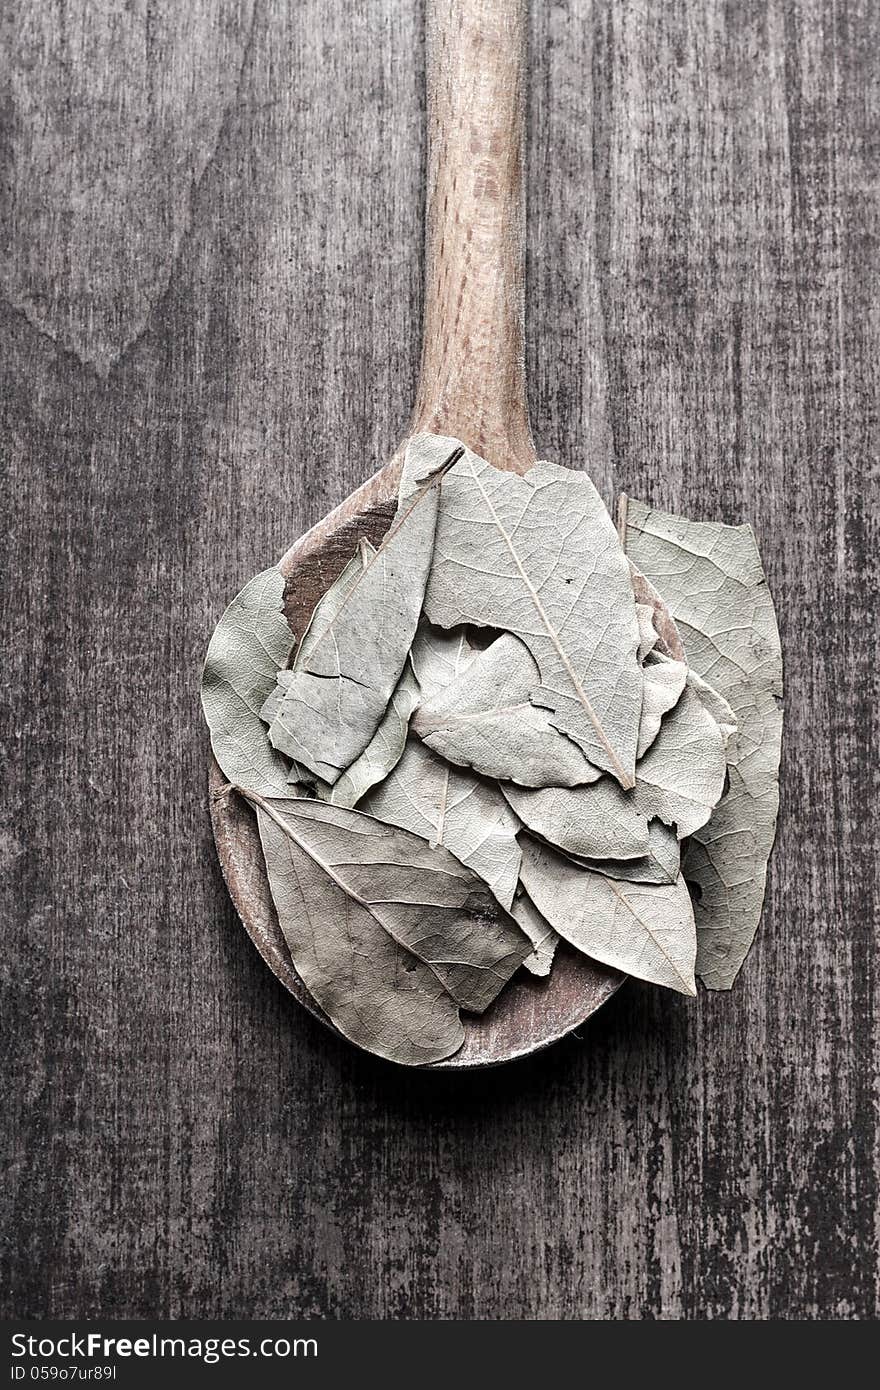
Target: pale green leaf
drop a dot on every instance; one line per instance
(711, 577)
(382, 753)
(450, 807)
(646, 930)
(250, 642)
(331, 706)
(377, 921)
(486, 721)
(661, 864)
(538, 556)
(539, 931)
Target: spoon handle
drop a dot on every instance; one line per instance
(472, 376)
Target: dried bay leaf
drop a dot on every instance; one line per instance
(679, 780)
(324, 612)
(446, 806)
(250, 642)
(443, 804)
(438, 658)
(426, 456)
(272, 704)
(382, 753)
(539, 931)
(485, 720)
(376, 992)
(332, 704)
(330, 603)
(646, 930)
(681, 777)
(345, 886)
(664, 682)
(595, 822)
(717, 706)
(712, 579)
(662, 863)
(538, 556)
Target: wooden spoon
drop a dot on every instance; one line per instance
(471, 385)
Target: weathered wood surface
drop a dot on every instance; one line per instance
(212, 232)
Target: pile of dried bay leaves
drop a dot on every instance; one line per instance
(481, 744)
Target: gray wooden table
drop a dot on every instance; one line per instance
(212, 219)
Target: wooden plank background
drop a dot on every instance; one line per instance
(211, 228)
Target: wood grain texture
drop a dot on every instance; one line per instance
(472, 381)
(212, 300)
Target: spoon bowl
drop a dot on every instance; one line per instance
(530, 1013)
